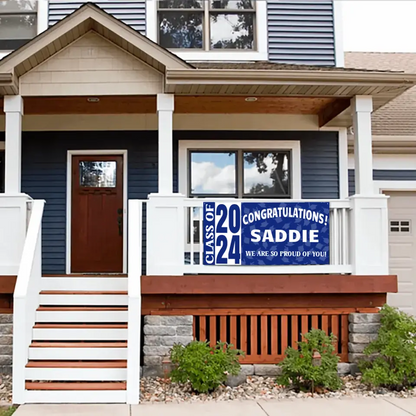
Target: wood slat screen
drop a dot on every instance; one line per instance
(265, 337)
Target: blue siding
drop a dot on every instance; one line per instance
(301, 32)
(383, 175)
(132, 13)
(45, 165)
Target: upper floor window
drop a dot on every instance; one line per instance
(18, 22)
(207, 24)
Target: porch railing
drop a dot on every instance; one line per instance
(135, 221)
(339, 242)
(26, 298)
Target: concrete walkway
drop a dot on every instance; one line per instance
(309, 407)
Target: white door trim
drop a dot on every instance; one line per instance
(87, 152)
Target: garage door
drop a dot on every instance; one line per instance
(402, 245)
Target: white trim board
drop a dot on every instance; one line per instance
(382, 186)
(338, 34)
(292, 145)
(71, 153)
(261, 54)
(389, 162)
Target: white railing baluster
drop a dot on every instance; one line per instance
(191, 233)
(201, 236)
(135, 216)
(336, 236)
(344, 237)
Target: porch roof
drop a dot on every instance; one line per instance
(275, 81)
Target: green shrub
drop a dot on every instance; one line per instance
(203, 366)
(394, 365)
(298, 370)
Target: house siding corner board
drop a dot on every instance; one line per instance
(130, 12)
(44, 170)
(301, 32)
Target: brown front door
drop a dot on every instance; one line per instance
(97, 214)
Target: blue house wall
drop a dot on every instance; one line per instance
(44, 170)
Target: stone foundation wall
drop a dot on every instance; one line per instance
(6, 343)
(160, 334)
(363, 329)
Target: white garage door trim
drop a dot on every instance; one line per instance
(385, 186)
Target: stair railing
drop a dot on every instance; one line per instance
(26, 299)
(135, 218)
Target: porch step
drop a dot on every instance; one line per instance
(77, 364)
(79, 343)
(91, 298)
(83, 284)
(32, 385)
(78, 350)
(82, 315)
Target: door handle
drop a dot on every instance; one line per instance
(120, 221)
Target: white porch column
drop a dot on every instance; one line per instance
(165, 210)
(369, 216)
(165, 107)
(362, 107)
(13, 108)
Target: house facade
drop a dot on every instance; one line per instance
(394, 164)
(125, 126)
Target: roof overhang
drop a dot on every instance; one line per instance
(329, 83)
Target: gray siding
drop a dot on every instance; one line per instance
(301, 32)
(383, 175)
(44, 158)
(132, 13)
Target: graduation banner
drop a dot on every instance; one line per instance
(265, 234)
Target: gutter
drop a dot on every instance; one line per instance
(300, 77)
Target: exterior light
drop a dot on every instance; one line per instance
(316, 359)
(166, 366)
(251, 99)
(93, 99)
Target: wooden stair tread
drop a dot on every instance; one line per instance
(77, 364)
(119, 385)
(81, 292)
(88, 326)
(78, 344)
(81, 308)
(46, 276)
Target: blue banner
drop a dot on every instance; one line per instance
(266, 234)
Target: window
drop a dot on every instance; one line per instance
(97, 174)
(18, 22)
(241, 173)
(207, 24)
(400, 226)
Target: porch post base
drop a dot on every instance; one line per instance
(369, 235)
(165, 234)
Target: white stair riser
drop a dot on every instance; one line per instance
(76, 374)
(100, 284)
(79, 334)
(80, 300)
(65, 396)
(81, 316)
(77, 353)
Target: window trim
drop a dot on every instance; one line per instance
(260, 36)
(288, 145)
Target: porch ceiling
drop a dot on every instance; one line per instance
(192, 104)
(323, 83)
